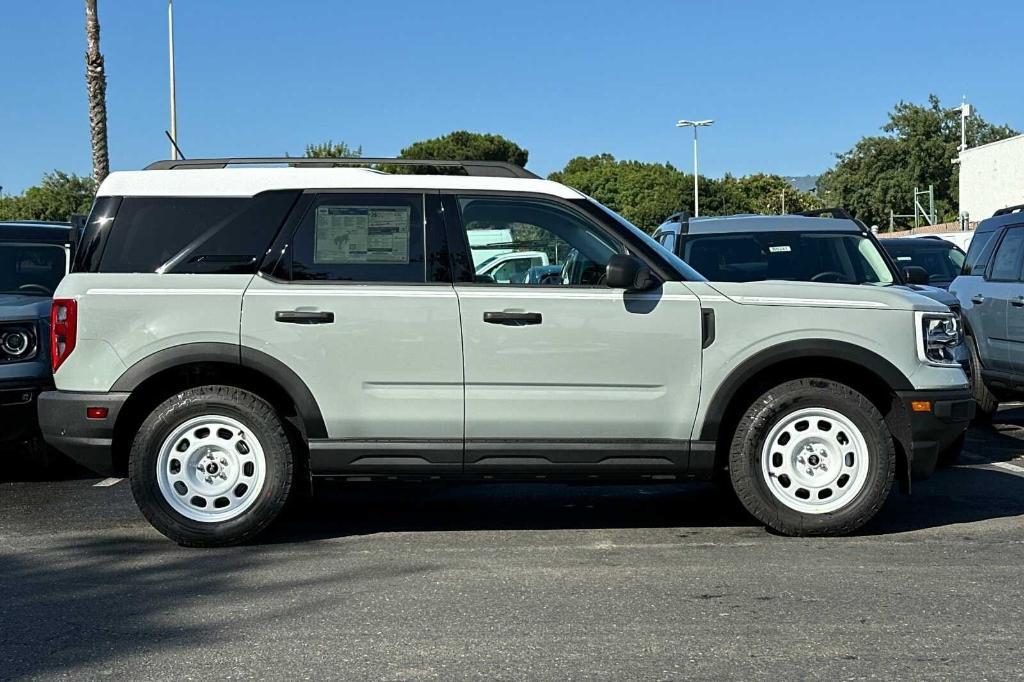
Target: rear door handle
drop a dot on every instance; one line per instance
(1019, 301)
(304, 317)
(512, 319)
(977, 298)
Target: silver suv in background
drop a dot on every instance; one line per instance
(991, 292)
(229, 333)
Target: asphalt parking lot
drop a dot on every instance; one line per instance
(522, 582)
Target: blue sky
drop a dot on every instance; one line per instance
(788, 83)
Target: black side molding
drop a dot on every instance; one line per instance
(707, 327)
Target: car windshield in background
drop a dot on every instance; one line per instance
(942, 260)
(836, 257)
(31, 269)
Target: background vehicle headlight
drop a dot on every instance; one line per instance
(17, 342)
(938, 334)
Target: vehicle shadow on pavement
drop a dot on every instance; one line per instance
(352, 509)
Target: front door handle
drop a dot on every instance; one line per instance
(512, 319)
(304, 317)
(978, 299)
(1019, 301)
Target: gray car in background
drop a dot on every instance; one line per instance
(991, 292)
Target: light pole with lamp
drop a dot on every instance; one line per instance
(694, 124)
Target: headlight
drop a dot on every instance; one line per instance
(937, 335)
(17, 342)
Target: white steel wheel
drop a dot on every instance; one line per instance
(815, 460)
(211, 468)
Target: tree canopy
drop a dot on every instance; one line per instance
(917, 150)
(462, 145)
(647, 193)
(56, 197)
(331, 150)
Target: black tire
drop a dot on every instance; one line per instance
(257, 416)
(987, 404)
(773, 406)
(951, 455)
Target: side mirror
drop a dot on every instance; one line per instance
(628, 272)
(915, 274)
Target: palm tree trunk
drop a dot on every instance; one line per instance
(96, 84)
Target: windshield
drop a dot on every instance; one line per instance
(837, 257)
(31, 269)
(651, 242)
(942, 261)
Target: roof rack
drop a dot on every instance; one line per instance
(1019, 208)
(488, 169)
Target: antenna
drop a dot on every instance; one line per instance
(176, 147)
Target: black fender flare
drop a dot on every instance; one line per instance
(802, 348)
(232, 354)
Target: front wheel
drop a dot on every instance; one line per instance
(987, 404)
(211, 466)
(812, 457)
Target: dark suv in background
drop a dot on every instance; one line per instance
(34, 257)
(941, 259)
(991, 292)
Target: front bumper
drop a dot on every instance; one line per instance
(18, 411)
(65, 426)
(929, 432)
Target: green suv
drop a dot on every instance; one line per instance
(229, 333)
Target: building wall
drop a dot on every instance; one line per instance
(992, 177)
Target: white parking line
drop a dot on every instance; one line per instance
(107, 482)
(1001, 466)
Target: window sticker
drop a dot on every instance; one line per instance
(362, 234)
(904, 258)
(779, 249)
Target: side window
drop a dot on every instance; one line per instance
(360, 238)
(193, 235)
(668, 240)
(576, 252)
(979, 252)
(1006, 263)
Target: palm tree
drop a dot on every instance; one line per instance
(96, 84)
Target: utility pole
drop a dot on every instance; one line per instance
(696, 192)
(966, 111)
(170, 50)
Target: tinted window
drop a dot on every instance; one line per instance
(538, 229)
(1006, 264)
(797, 256)
(194, 234)
(31, 269)
(979, 252)
(941, 259)
(360, 238)
(97, 228)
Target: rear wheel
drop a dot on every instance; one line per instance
(211, 466)
(986, 401)
(812, 457)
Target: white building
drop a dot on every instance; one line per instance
(992, 177)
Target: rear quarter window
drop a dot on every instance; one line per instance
(979, 253)
(196, 235)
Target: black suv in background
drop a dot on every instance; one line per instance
(941, 259)
(991, 293)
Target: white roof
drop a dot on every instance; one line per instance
(245, 182)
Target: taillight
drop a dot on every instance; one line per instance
(64, 326)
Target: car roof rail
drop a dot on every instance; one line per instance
(1019, 208)
(488, 169)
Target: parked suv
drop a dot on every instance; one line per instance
(228, 333)
(991, 291)
(940, 258)
(34, 257)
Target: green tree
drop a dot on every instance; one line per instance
(56, 197)
(462, 145)
(332, 150)
(920, 141)
(647, 193)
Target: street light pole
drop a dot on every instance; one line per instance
(170, 49)
(695, 124)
